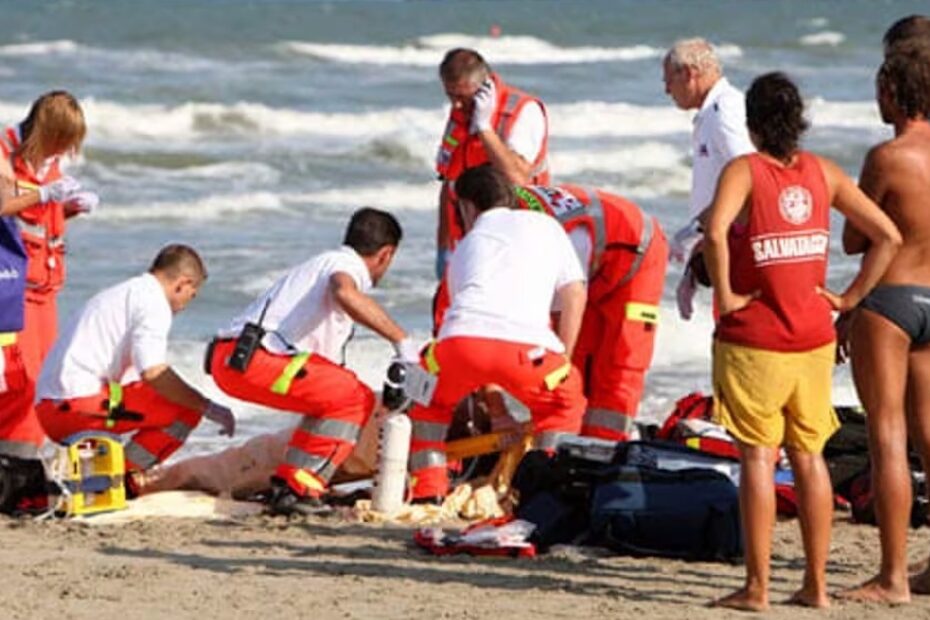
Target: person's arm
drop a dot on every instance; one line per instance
(10, 202)
(866, 216)
(363, 309)
(733, 188)
(507, 161)
(571, 298)
(871, 182)
(529, 130)
(168, 384)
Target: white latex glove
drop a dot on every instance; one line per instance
(83, 202)
(684, 294)
(222, 415)
(61, 190)
(684, 241)
(485, 100)
(408, 351)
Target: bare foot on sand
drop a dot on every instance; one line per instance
(809, 598)
(743, 600)
(920, 583)
(873, 591)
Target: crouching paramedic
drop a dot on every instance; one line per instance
(286, 351)
(624, 255)
(503, 278)
(122, 332)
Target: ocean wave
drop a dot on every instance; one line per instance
(238, 173)
(640, 156)
(507, 50)
(39, 48)
(388, 196)
(827, 37)
(844, 114)
(212, 207)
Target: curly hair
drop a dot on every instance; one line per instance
(905, 76)
(775, 114)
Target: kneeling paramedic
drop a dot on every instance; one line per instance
(122, 333)
(502, 279)
(286, 351)
(624, 255)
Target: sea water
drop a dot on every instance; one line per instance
(252, 129)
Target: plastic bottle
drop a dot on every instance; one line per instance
(393, 449)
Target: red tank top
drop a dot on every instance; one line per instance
(784, 256)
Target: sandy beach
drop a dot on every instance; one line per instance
(274, 568)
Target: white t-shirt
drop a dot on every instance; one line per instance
(302, 312)
(120, 333)
(719, 135)
(528, 132)
(503, 277)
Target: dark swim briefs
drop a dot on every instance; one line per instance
(908, 307)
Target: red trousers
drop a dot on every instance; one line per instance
(617, 337)
(162, 429)
(334, 403)
(20, 431)
(542, 380)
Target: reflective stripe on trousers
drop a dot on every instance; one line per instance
(426, 459)
(617, 421)
(18, 449)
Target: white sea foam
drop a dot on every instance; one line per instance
(827, 37)
(389, 196)
(844, 114)
(212, 207)
(236, 173)
(38, 48)
(637, 156)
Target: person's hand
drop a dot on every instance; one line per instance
(735, 302)
(842, 326)
(222, 415)
(61, 190)
(484, 102)
(408, 351)
(840, 303)
(82, 202)
(684, 241)
(684, 294)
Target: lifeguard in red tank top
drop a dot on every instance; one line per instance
(787, 243)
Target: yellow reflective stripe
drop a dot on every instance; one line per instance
(647, 313)
(308, 480)
(557, 376)
(282, 384)
(7, 338)
(27, 185)
(116, 396)
(432, 366)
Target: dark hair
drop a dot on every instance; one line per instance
(486, 187)
(775, 114)
(906, 28)
(177, 259)
(369, 230)
(905, 77)
(462, 63)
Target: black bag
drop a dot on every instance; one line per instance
(689, 514)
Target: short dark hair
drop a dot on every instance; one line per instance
(369, 230)
(462, 63)
(775, 114)
(178, 259)
(486, 187)
(905, 76)
(907, 28)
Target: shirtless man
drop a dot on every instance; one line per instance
(890, 332)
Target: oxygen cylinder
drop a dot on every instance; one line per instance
(393, 449)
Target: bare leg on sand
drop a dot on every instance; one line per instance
(918, 410)
(879, 361)
(757, 510)
(815, 506)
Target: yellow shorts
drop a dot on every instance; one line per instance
(769, 398)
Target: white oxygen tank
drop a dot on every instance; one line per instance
(393, 449)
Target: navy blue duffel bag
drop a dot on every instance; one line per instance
(689, 514)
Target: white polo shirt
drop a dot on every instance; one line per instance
(302, 314)
(120, 333)
(503, 277)
(528, 132)
(719, 135)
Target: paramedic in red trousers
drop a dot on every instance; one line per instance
(624, 254)
(109, 370)
(503, 278)
(308, 317)
(490, 122)
(42, 200)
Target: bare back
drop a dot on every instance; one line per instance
(896, 175)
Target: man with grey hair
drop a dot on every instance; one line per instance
(694, 80)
